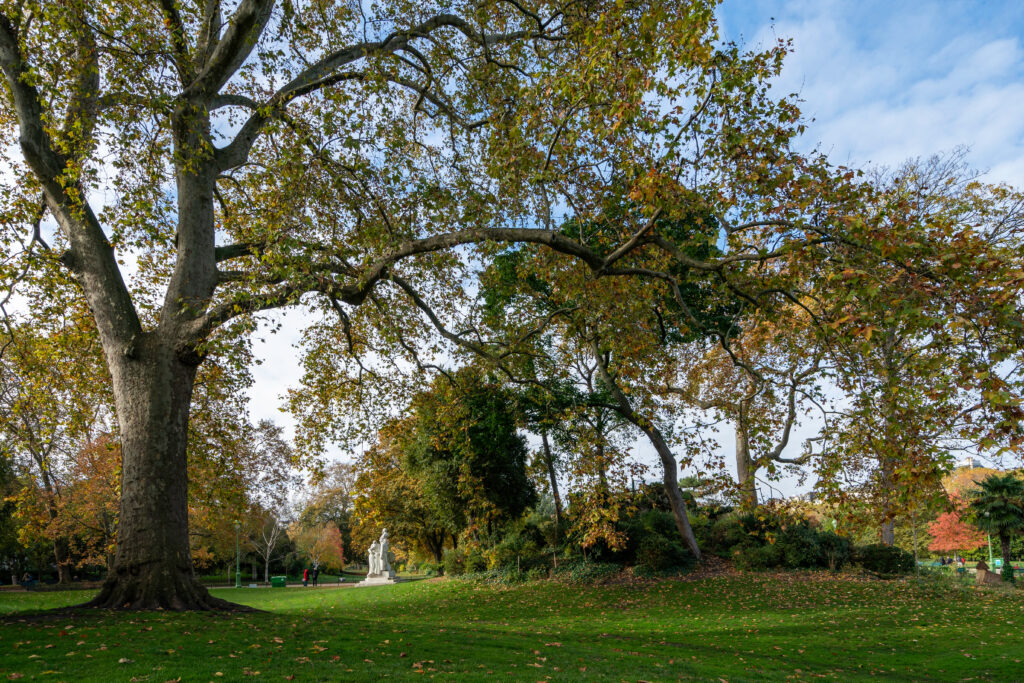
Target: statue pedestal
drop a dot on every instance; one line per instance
(378, 579)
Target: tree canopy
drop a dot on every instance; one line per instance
(190, 165)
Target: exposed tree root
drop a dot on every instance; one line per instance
(161, 589)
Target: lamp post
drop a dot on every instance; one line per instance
(238, 556)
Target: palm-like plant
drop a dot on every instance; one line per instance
(998, 507)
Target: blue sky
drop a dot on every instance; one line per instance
(885, 81)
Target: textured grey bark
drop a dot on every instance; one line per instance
(745, 467)
(888, 533)
(549, 462)
(152, 565)
(153, 369)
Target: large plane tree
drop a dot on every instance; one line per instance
(193, 163)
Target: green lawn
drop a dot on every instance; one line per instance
(746, 627)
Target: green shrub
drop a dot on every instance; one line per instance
(586, 572)
(429, 568)
(737, 530)
(701, 525)
(654, 545)
(836, 550)
(660, 555)
(726, 533)
(757, 557)
(474, 561)
(536, 573)
(797, 546)
(884, 559)
(454, 563)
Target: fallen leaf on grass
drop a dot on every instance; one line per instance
(125, 660)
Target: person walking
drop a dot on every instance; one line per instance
(316, 575)
(305, 577)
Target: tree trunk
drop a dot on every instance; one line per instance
(668, 461)
(888, 533)
(153, 564)
(435, 543)
(745, 466)
(60, 543)
(1007, 572)
(888, 528)
(549, 461)
(675, 496)
(60, 553)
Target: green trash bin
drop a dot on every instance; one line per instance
(278, 581)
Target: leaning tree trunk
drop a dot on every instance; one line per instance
(152, 566)
(670, 477)
(675, 495)
(549, 461)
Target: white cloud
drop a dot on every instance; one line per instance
(884, 86)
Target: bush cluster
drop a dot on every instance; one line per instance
(459, 561)
(884, 559)
(654, 546)
(429, 568)
(769, 539)
(586, 572)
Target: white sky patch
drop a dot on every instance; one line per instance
(279, 367)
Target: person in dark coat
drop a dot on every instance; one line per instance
(316, 574)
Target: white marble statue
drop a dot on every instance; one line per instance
(380, 570)
(384, 565)
(374, 559)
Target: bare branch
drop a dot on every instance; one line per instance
(179, 43)
(241, 36)
(209, 34)
(91, 257)
(325, 72)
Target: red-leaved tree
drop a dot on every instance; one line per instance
(951, 534)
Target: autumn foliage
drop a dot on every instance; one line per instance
(950, 533)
